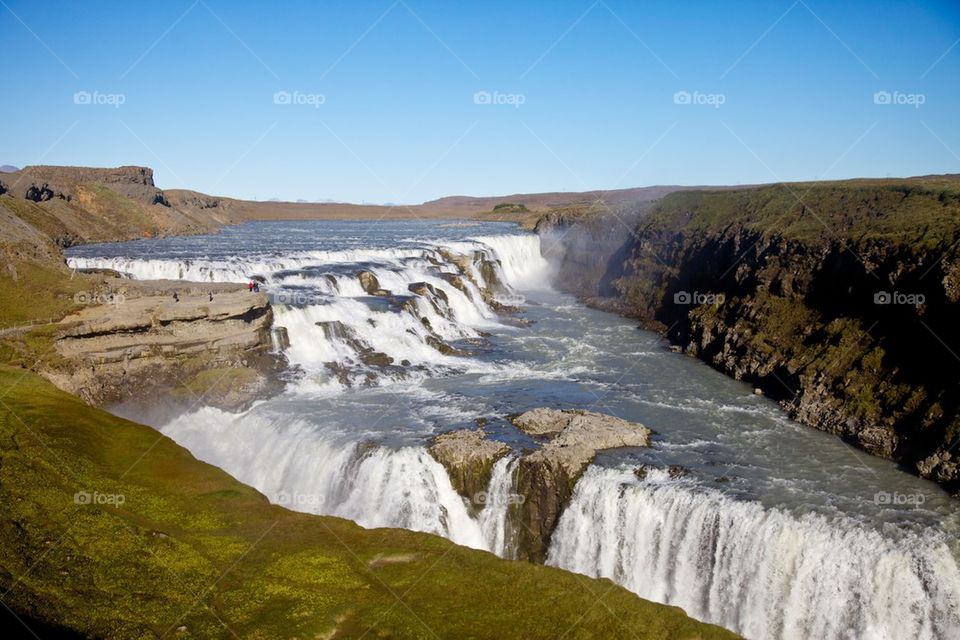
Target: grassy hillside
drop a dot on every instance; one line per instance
(919, 211)
(113, 530)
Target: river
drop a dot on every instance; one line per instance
(763, 526)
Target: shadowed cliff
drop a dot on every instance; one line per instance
(837, 299)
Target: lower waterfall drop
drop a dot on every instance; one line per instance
(761, 572)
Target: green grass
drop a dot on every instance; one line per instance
(195, 553)
(922, 213)
(510, 207)
(38, 293)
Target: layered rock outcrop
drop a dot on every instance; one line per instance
(83, 204)
(201, 343)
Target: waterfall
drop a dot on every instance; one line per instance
(521, 261)
(232, 269)
(767, 573)
(761, 572)
(498, 497)
(302, 468)
(341, 333)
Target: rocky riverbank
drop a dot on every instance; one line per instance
(838, 300)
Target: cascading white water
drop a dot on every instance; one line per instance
(295, 465)
(761, 572)
(234, 269)
(331, 320)
(521, 262)
(498, 499)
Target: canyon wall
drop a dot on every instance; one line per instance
(839, 300)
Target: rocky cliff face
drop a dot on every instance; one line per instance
(133, 341)
(840, 301)
(111, 340)
(83, 204)
(41, 182)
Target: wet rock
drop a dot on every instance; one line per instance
(546, 477)
(457, 281)
(427, 290)
(674, 471)
(468, 457)
(335, 330)
(445, 348)
(677, 471)
(373, 358)
(437, 297)
(369, 282)
(463, 263)
(281, 338)
(490, 272)
(540, 422)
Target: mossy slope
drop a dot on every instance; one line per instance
(192, 553)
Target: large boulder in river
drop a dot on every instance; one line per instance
(546, 477)
(369, 282)
(427, 290)
(468, 457)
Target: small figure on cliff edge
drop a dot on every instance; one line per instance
(250, 286)
(211, 296)
(176, 297)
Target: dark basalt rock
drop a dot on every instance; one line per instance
(38, 194)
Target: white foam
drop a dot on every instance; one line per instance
(760, 572)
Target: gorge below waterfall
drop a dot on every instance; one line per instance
(395, 332)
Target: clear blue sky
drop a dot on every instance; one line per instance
(399, 121)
